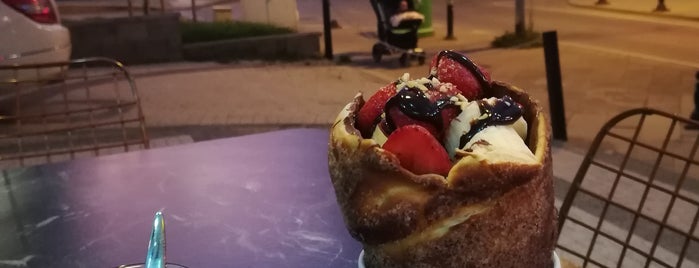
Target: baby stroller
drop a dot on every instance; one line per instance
(396, 39)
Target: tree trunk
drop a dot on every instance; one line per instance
(519, 17)
(661, 6)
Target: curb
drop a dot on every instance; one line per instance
(286, 46)
(633, 12)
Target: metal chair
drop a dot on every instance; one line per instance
(621, 211)
(59, 111)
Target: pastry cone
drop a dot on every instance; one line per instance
(490, 211)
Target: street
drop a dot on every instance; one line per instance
(665, 39)
(610, 62)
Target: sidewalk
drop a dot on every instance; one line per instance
(685, 9)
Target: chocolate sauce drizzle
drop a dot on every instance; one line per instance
(505, 111)
(415, 104)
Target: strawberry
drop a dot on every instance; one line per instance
(451, 71)
(399, 120)
(418, 151)
(372, 109)
(449, 114)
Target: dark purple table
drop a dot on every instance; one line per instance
(254, 201)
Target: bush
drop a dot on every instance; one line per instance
(193, 32)
(526, 40)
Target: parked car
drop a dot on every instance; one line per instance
(32, 33)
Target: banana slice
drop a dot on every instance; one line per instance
(470, 114)
(461, 125)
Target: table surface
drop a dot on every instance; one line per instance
(262, 200)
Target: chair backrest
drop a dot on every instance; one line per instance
(640, 207)
(59, 111)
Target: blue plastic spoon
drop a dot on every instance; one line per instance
(156, 246)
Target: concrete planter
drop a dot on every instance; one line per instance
(286, 46)
(157, 38)
(142, 39)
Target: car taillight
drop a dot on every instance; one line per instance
(40, 11)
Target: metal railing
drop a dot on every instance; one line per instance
(146, 8)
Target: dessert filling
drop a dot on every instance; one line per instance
(432, 122)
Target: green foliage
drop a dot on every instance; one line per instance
(344, 59)
(193, 32)
(527, 39)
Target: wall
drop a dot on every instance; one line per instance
(156, 38)
(142, 39)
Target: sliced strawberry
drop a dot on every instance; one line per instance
(372, 109)
(449, 114)
(451, 71)
(418, 151)
(400, 120)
